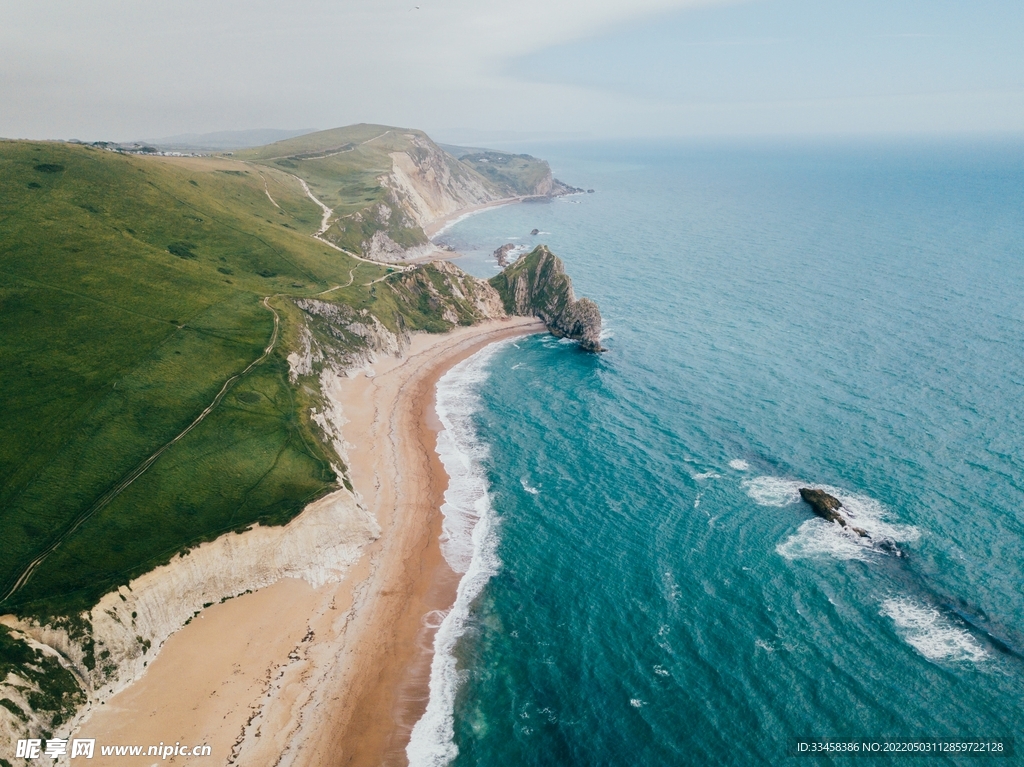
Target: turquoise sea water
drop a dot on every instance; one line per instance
(645, 586)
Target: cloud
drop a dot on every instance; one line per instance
(799, 66)
(123, 70)
(117, 69)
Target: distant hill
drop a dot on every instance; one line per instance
(386, 185)
(222, 141)
(458, 152)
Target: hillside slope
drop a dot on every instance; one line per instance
(385, 185)
(169, 327)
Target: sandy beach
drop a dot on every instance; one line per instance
(336, 675)
(435, 228)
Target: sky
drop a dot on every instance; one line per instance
(472, 70)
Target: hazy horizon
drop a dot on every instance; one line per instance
(486, 72)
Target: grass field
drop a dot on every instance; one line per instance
(130, 290)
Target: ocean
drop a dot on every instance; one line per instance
(643, 584)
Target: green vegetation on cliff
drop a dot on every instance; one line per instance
(514, 174)
(131, 290)
(43, 684)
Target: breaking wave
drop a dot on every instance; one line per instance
(931, 633)
(817, 538)
(469, 544)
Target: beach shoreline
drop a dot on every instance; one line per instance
(440, 225)
(334, 675)
(393, 686)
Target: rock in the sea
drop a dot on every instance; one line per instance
(827, 507)
(889, 545)
(535, 232)
(501, 254)
(590, 191)
(537, 285)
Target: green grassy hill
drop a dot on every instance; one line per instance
(513, 174)
(131, 289)
(148, 307)
(341, 165)
(344, 168)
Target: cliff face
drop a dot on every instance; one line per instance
(537, 285)
(129, 625)
(431, 184)
(436, 297)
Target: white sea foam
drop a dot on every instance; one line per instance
(818, 538)
(468, 542)
(739, 464)
(706, 475)
(932, 634)
(772, 491)
(527, 487)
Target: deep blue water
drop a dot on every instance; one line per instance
(844, 316)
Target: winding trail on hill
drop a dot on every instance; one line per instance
(351, 277)
(325, 225)
(266, 189)
(104, 500)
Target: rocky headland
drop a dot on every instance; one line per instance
(501, 254)
(831, 509)
(536, 284)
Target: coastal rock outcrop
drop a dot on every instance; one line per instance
(827, 507)
(536, 284)
(501, 254)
